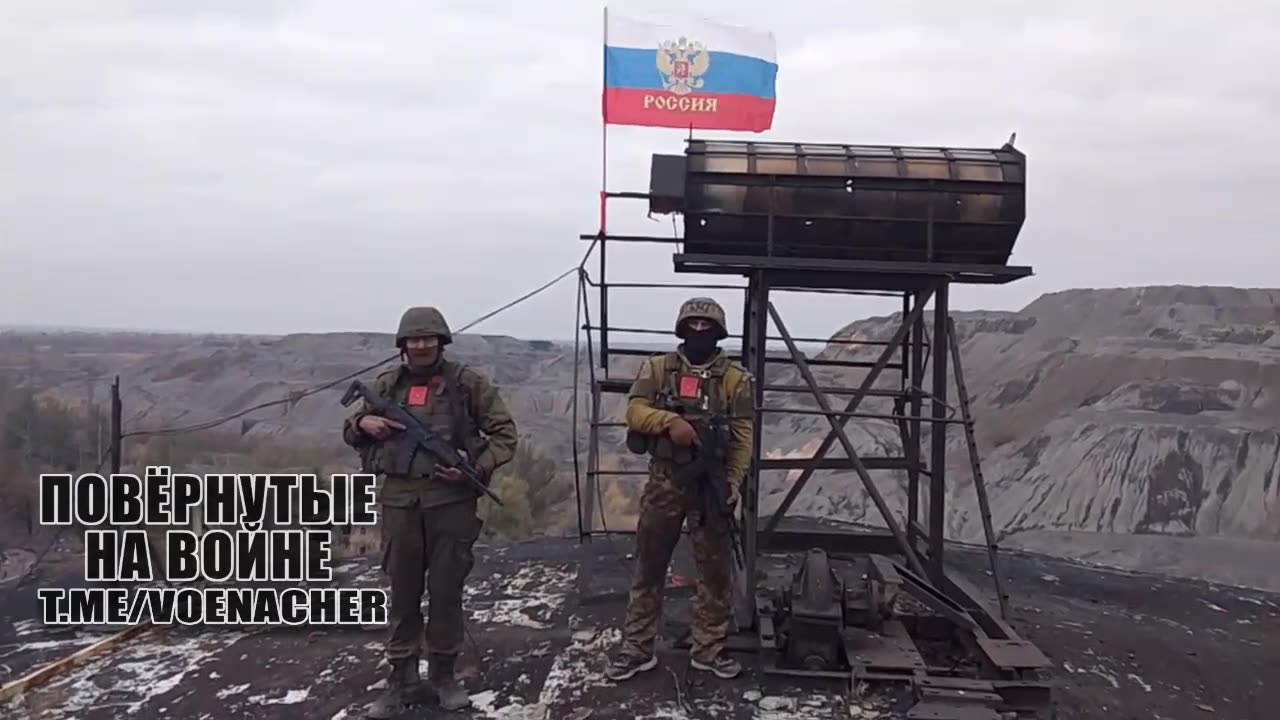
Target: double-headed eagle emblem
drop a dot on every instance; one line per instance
(682, 64)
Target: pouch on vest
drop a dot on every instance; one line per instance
(664, 449)
(637, 443)
(401, 450)
(379, 457)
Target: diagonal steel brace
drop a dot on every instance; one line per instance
(885, 356)
(979, 484)
(837, 427)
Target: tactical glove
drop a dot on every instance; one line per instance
(682, 433)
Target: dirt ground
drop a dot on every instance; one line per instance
(1123, 646)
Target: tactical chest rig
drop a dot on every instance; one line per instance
(397, 454)
(698, 395)
(703, 398)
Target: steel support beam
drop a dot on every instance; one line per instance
(863, 390)
(754, 354)
(911, 443)
(938, 437)
(836, 427)
(975, 466)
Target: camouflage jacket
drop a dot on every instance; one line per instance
(457, 403)
(733, 397)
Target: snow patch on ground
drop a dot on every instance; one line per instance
(227, 692)
(534, 594)
(292, 697)
(127, 679)
(576, 669)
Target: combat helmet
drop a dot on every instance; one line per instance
(420, 321)
(705, 308)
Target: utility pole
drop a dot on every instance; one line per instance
(115, 425)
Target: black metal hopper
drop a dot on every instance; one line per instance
(844, 202)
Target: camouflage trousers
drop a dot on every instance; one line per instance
(432, 544)
(664, 507)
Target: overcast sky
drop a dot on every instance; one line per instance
(271, 166)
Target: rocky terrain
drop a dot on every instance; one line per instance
(1135, 427)
(1110, 422)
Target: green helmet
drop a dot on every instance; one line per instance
(421, 321)
(705, 308)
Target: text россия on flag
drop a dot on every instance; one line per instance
(697, 73)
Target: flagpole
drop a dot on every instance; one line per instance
(604, 125)
(604, 185)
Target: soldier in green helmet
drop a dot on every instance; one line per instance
(429, 520)
(703, 383)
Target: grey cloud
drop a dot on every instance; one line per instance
(274, 152)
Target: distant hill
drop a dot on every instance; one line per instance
(1107, 419)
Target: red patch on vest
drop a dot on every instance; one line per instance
(690, 386)
(418, 395)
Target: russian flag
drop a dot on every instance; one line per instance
(695, 74)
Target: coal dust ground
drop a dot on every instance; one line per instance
(1123, 646)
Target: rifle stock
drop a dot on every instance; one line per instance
(423, 437)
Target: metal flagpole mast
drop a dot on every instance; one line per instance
(604, 192)
(604, 121)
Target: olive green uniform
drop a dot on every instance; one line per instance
(429, 525)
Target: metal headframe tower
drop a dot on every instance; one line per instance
(906, 222)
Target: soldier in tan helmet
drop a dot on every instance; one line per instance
(429, 520)
(700, 380)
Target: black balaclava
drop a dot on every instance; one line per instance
(700, 345)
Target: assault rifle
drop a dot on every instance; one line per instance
(707, 469)
(423, 437)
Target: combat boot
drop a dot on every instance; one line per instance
(404, 687)
(723, 666)
(445, 685)
(624, 666)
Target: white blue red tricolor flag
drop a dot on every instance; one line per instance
(695, 74)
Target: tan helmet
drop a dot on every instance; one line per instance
(422, 321)
(705, 308)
